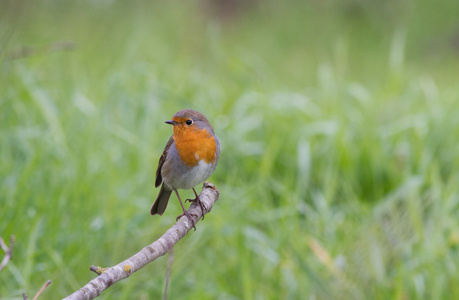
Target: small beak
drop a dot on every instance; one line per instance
(172, 122)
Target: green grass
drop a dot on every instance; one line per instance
(339, 123)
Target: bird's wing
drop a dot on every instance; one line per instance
(162, 159)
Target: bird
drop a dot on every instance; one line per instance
(189, 158)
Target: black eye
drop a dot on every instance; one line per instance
(189, 122)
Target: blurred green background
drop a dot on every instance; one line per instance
(339, 123)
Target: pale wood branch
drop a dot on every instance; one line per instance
(47, 283)
(209, 195)
(8, 251)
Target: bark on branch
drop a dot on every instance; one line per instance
(110, 276)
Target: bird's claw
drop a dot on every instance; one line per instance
(188, 215)
(199, 202)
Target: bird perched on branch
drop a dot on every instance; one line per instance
(189, 158)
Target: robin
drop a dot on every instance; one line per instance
(189, 158)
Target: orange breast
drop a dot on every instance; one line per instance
(194, 145)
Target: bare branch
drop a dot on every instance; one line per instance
(42, 289)
(8, 251)
(47, 283)
(110, 276)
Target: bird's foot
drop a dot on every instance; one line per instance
(188, 215)
(200, 203)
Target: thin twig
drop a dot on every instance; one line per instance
(8, 251)
(95, 287)
(24, 296)
(170, 261)
(42, 289)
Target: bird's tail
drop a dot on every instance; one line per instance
(160, 204)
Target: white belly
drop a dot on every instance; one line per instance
(190, 178)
